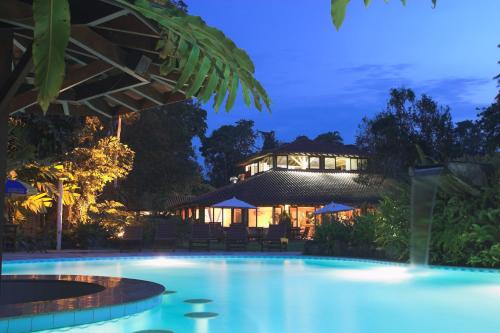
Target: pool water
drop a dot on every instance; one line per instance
(253, 294)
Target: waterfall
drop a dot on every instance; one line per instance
(424, 185)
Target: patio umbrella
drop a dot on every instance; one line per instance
(333, 207)
(234, 203)
(15, 188)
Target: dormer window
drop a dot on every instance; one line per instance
(265, 164)
(282, 161)
(298, 162)
(329, 163)
(314, 162)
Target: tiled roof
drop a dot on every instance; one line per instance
(276, 187)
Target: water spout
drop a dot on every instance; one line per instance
(424, 184)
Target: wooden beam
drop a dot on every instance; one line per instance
(17, 13)
(92, 42)
(126, 101)
(130, 41)
(15, 79)
(151, 94)
(73, 78)
(101, 88)
(109, 17)
(100, 107)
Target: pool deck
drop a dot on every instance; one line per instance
(51, 254)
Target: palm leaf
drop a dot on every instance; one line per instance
(51, 35)
(192, 49)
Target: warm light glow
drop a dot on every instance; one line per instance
(379, 274)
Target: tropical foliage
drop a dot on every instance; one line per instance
(339, 8)
(93, 168)
(206, 63)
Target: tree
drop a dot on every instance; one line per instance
(392, 136)
(165, 160)
(227, 146)
(270, 141)
(93, 168)
(468, 138)
(332, 138)
(489, 122)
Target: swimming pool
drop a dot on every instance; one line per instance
(258, 294)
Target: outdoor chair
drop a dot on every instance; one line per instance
(216, 231)
(276, 238)
(132, 238)
(165, 235)
(200, 236)
(236, 237)
(255, 234)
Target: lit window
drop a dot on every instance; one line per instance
(254, 168)
(265, 164)
(314, 162)
(354, 164)
(282, 162)
(329, 163)
(298, 162)
(342, 163)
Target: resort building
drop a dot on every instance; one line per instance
(295, 179)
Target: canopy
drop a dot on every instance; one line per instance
(333, 207)
(16, 187)
(234, 203)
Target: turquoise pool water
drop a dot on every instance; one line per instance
(296, 295)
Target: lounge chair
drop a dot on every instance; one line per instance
(216, 231)
(200, 236)
(276, 238)
(236, 237)
(166, 235)
(255, 234)
(132, 238)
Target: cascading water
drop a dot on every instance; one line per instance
(424, 185)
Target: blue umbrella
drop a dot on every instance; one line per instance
(16, 187)
(333, 207)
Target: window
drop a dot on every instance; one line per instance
(265, 164)
(298, 162)
(354, 164)
(314, 162)
(282, 162)
(329, 163)
(254, 168)
(342, 163)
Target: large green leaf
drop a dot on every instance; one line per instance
(338, 9)
(338, 12)
(192, 50)
(51, 35)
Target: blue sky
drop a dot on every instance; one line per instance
(322, 80)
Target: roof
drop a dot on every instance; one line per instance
(293, 187)
(112, 65)
(307, 146)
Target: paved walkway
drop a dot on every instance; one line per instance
(116, 254)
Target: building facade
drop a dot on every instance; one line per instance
(293, 180)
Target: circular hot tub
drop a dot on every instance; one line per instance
(42, 302)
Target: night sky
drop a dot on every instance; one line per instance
(322, 80)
